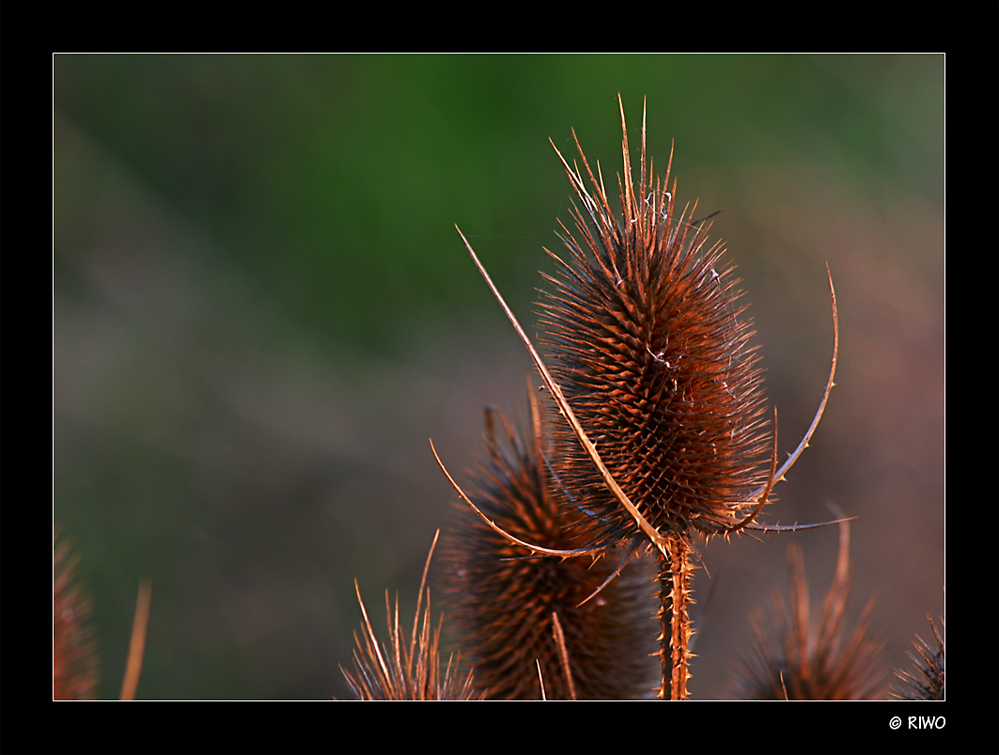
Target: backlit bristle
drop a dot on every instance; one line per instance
(506, 605)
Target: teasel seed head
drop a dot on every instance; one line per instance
(795, 657)
(651, 347)
(524, 622)
(405, 668)
(926, 680)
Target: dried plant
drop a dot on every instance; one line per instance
(405, 668)
(664, 433)
(926, 680)
(137, 643)
(534, 627)
(795, 657)
(75, 671)
(74, 660)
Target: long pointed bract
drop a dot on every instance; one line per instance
(566, 411)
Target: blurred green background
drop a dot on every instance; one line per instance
(263, 311)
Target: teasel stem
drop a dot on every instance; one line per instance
(563, 654)
(674, 615)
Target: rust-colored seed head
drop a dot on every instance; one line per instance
(647, 341)
(925, 681)
(505, 604)
(405, 668)
(796, 658)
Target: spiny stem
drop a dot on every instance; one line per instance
(674, 590)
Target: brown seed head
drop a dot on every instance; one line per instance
(925, 681)
(652, 350)
(796, 657)
(405, 668)
(508, 608)
(653, 373)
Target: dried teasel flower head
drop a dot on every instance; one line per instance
(523, 622)
(651, 347)
(798, 657)
(405, 668)
(925, 681)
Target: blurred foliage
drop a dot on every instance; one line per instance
(336, 180)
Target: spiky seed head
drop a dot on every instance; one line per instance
(647, 339)
(506, 606)
(406, 667)
(797, 656)
(925, 681)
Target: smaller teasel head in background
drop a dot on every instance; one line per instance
(75, 671)
(530, 626)
(798, 656)
(925, 680)
(406, 668)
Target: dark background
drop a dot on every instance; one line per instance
(263, 311)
